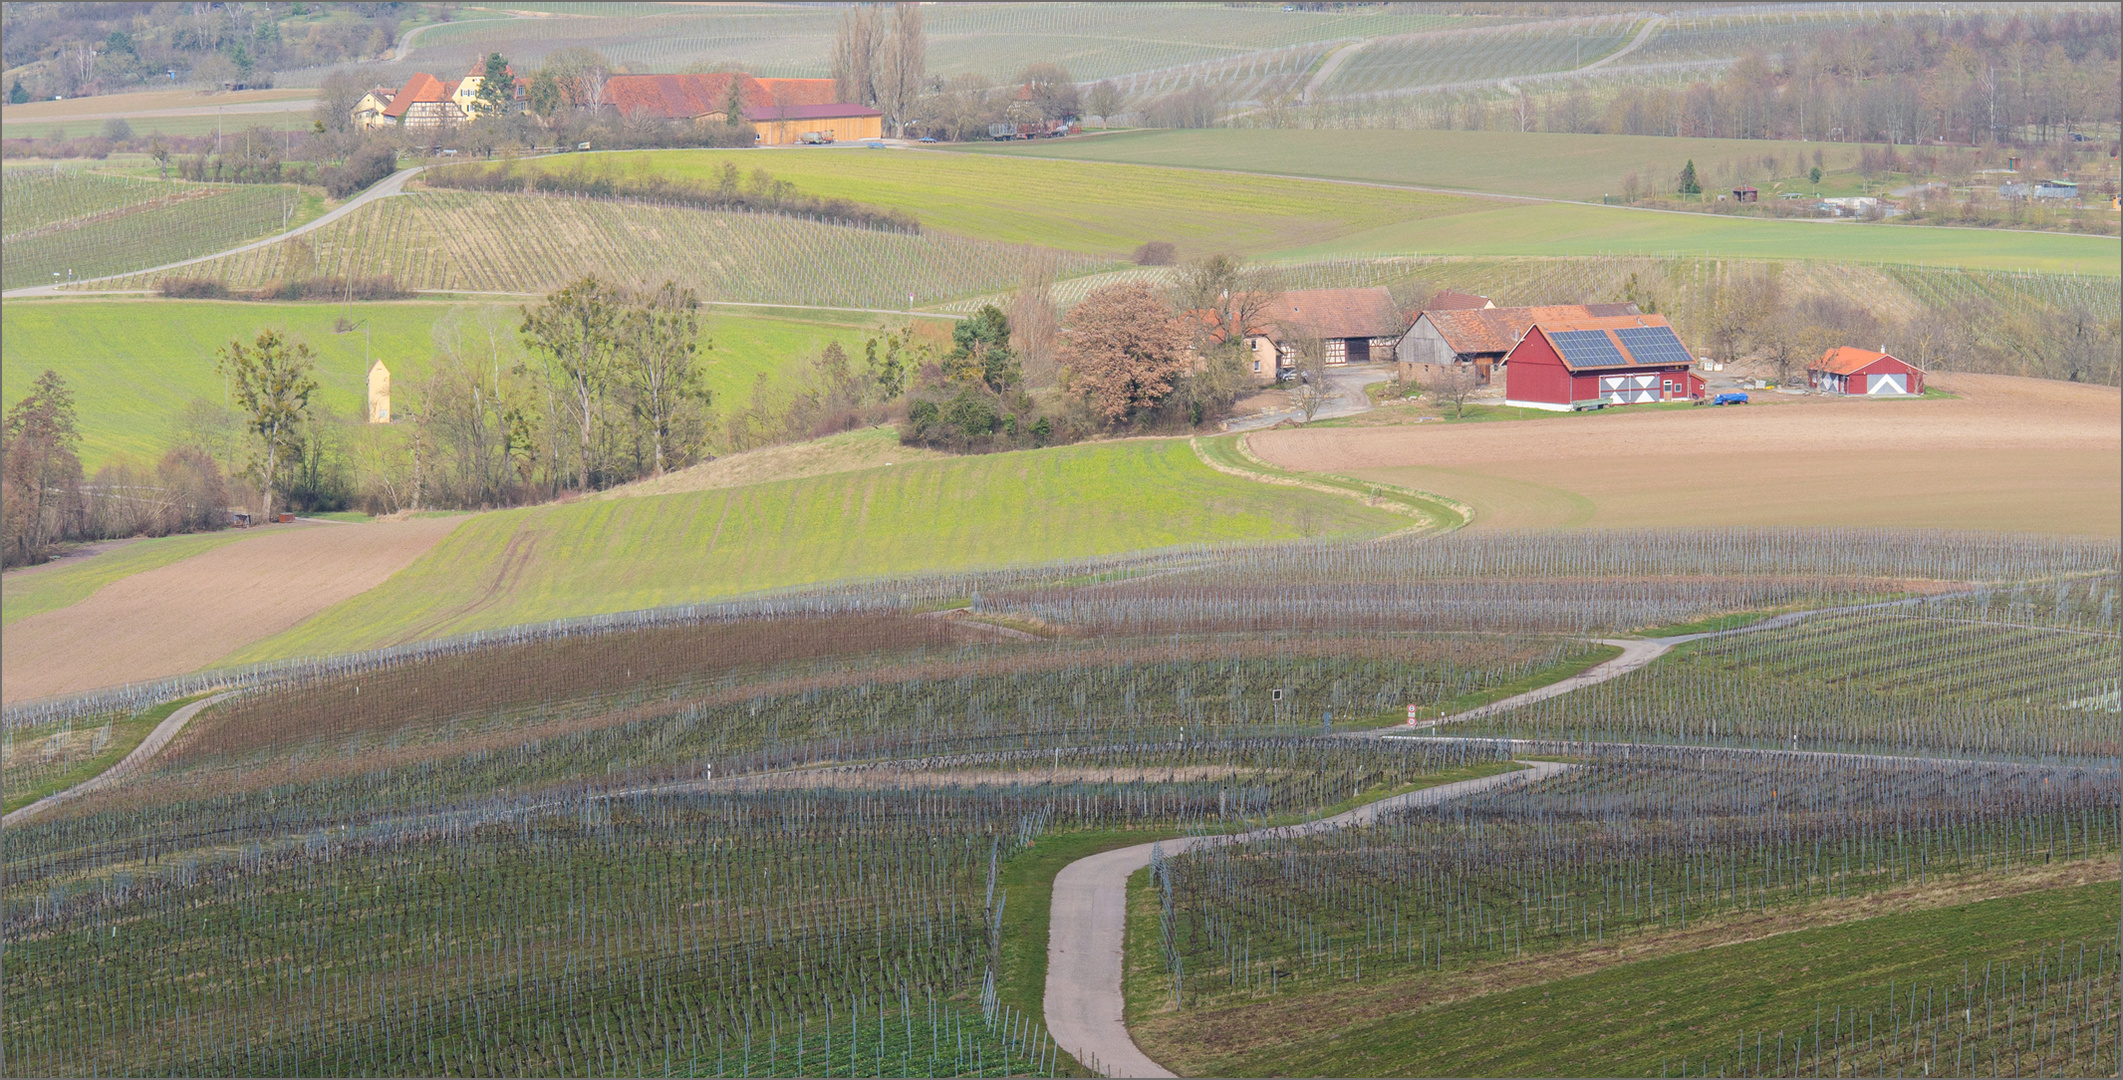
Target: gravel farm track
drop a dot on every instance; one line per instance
(181, 617)
(2029, 455)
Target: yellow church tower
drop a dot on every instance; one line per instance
(379, 394)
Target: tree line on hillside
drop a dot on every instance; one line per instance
(76, 50)
(598, 385)
(2029, 78)
(44, 501)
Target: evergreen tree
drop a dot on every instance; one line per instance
(1689, 184)
(496, 87)
(18, 96)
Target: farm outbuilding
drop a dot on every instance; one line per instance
(1479, 337)
(1625, 360)
(786, 125)
(1356, 325)
(1859, 371)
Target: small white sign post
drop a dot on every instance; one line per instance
(1411, 716)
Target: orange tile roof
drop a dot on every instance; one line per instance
(1844, 360)
(796, 92)
(421, 87)
(1497, 330)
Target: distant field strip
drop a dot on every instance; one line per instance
(1090, 208)
(87, 224)
(518, 566)
(477, 242)
(1388, 66)
(1094, 41)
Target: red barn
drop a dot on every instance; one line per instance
(1856, 371)
(1618, 360)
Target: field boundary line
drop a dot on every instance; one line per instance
(1411, 508)
(126, 766)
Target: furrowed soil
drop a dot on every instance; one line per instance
(178, 618)
(2027, 455)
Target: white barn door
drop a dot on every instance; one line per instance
(1629, 389)
(1889, 384)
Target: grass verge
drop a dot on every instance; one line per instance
(1228, 454)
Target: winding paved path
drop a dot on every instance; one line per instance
(148, 748)
(1090, 913)
(1089, 920)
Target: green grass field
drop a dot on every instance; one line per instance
(1623, 1020)
(1540, 164)
(550, 562)
(34, 591)
(134, 364)
(1571, 229)
(1096, 208)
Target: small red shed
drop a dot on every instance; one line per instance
(1859, 371)
(1620, 360)
(1746, 193)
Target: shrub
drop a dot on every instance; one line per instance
(370, 164)
(1155, 253)
(190, 288)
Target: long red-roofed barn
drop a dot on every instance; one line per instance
(1623, 360)
(1354, 325)
(1860, 371)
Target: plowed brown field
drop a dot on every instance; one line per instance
(2027, 455)
(186, 615)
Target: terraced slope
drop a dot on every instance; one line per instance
(550, 562)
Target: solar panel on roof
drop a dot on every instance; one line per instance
(1654, 345)
(1587, 348)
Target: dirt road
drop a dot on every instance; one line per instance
(2029, 455)
(126, 766)
(187, 615)
(1090, 912)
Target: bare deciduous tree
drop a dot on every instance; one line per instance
(903, 67)
(1453, 384)
(856, 46)
(1310, 352)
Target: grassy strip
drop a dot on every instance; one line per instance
(1620, 1019)
(1576, 663)
(1228, 454)
(1711, 625)
(1031, 506)
(126, 734)
(36, 592)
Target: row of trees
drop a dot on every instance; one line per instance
(44, 501)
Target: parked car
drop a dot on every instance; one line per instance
(874, 145)
(1729, 399)
(927, 139)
